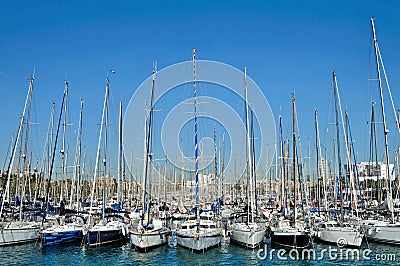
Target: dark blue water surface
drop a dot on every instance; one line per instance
(226, 254)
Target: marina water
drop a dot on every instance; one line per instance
(226, 254)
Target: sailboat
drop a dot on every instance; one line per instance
(149, 232)
(383, 229)
(334, 232)
(71, 227)
(17, 231)
(245, 230)
(291, 233)
(111, 228)
(198, 235)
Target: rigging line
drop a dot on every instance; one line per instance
(388, 88)
(370, 65)
(327, 118)
(369, 94)
(8, 151)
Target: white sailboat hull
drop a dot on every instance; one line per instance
(148, 239)
(341, 236)
(199, 241)
(383, 232)
(18, 232)
(248, 237)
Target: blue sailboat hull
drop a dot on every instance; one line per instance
(49, 239)
(104, 237)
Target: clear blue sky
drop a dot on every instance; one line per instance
(287, 46)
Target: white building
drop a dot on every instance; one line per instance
(373, 171)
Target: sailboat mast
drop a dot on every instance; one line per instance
(63, 160)
(283, 165)
(165, 180)
(317, 153)
(50, 147)
(216, 172)
(148, 155)
(398, 169)
(375, 144)
(119, 154)
(222, 178)
(249, 180)
(96, 167)
(54, 152)
(253, 166)
(335, 90)
(26, 165)
(385, 130)
(105, 149)
(320, 169)
(145, 158)
(398, 115)
(196, 146)
(79, 161)
(6, 194)
(294, 160)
